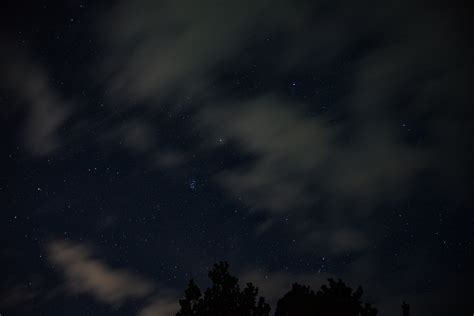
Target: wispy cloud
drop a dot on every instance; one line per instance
(172, 47)
(329, 170)
(31, 91)
(160, 306)
(86, 275)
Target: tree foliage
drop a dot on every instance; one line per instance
(224, 297)
(335, 299)
(405, 309)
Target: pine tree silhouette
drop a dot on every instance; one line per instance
(335, 299)
(299, 301)
(405, 309)
(224, 297)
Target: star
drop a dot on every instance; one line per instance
(193, 184)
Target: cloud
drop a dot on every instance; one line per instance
(373, 162)
(299, 157)
(288, 149)
(301, 167)
(397, 113)
(386, 127)
(348, 240)
(330, 171)
(140, 137)
(18, 296)
(173, 47)
(134, 134)
(86, 275)
(161, 306)
(46, 110)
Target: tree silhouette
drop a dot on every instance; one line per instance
(224, 297)
(335, 299)
(405, 309)
(300, 300)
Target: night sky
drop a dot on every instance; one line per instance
(143, 141)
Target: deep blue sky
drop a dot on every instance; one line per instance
(143, 141)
